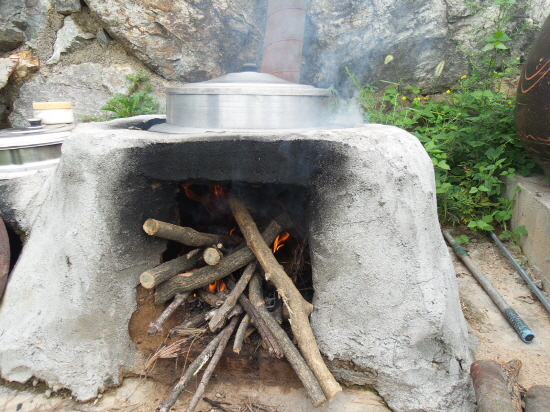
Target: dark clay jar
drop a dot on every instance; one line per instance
(532, 112)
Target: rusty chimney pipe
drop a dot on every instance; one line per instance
(284, 38)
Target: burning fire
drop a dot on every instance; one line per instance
(217, 194)
(280, 241)
(216, 286)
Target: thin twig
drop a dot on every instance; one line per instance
(156, 326)
(215, 404)
(228, 331)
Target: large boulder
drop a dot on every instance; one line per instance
(419, 35)
(186, 40)
(12, 24)
(87, 86)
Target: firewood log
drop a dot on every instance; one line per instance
(153, 277)
(291, 353)
(298, 307)
(186, 282)
(186, 235)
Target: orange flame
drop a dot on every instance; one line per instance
(216, 286)
(280, 241)
(216, 198)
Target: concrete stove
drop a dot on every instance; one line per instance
(386, 299)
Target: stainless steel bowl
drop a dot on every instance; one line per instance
(247, 100)
(26, 150)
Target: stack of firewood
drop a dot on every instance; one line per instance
(179, 277)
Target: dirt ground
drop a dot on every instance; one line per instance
(494, 339)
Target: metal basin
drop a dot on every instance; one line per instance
(24, 151)
(247, 100)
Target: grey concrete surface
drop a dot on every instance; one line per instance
(532, 210)
(386, 295)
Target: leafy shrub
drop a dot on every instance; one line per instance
(137, 100)
(468, 131)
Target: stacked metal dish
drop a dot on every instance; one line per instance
(25, 150)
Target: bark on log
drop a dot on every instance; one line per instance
(187, 282)
(212, 365)
(186, 235)
(241, 331)
(191, 371)
(4, 257)
(298, 307)
(156, 326)
(490, 386)
(537, 399)
(210, 298)
(271, 343)
(212, 256)
(153, 277)
(292, 354)
(219, 318)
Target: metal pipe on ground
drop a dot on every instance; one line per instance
(522, 273)
(284, 39)
(537, 399)
(490, 387)
(509, 313)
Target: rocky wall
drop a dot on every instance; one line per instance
(188, 41)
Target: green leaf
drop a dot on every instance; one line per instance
(520, 230)
(501, 36)
(488, 47)
(487, 218)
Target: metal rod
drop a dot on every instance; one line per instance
(522, 272)
(509, 313)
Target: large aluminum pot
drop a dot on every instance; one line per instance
(247, 100)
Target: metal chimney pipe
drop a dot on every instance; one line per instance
(284, 38)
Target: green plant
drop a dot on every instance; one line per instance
(137, 100)
(468, 132)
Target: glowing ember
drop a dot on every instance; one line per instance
(280, 241)
(216, 286)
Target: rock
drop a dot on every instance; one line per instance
(12, 24)
(69, 38)
(67, 6)
(87, 86)
(7, 67)
(27, 63)
(103, 38)
(187, 40)
(360, 34)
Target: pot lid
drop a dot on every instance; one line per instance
(249, 82)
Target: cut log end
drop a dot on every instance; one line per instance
(147, 280)
(151, 226)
